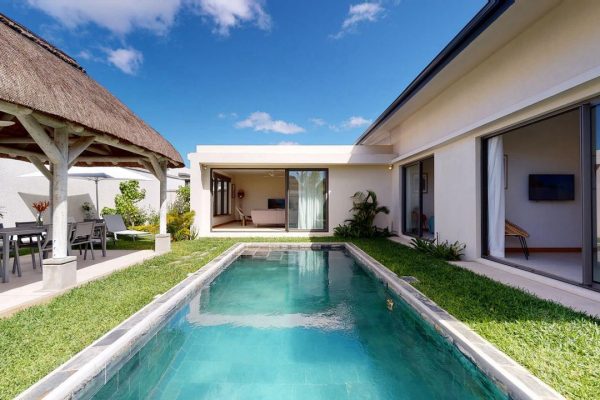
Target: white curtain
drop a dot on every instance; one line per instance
(495, 192)
(311, 200)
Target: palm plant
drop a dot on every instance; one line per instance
(365, 208)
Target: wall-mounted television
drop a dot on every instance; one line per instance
(276, 203)
(552, 187)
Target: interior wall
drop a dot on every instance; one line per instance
(258, 189)
(547, 147)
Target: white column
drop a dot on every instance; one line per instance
(51, 193)
(59, 195)
(163, 199)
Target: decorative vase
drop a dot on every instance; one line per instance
(39, 220)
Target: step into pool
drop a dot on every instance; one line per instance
(297, 324)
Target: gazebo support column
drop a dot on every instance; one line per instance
(60, 271)
(162, 241)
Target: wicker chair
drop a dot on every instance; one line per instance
(516, 231)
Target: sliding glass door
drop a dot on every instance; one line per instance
(595, 181)
(412, 200)
(418, 194)
(307, 199)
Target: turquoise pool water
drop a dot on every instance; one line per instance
(297, 325)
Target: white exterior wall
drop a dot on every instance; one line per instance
(457, 202)
(17, 193)
(557, 53)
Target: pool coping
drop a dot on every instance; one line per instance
(92, 367)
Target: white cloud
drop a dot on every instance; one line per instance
(355, 122)
(318, 121)
(262, 121)
(287, 143)
(127, 60)
(118, 16)
(228, 14)
(367, 11)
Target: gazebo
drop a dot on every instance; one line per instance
(54, 115)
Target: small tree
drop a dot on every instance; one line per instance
(179, 217)
(126, 203)
(362, 224)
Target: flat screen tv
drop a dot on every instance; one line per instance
(551, 187)
(276, 203)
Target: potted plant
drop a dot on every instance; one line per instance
(40, 207)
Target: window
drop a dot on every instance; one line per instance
(221, 190)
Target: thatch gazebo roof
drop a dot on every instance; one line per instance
(40, 81)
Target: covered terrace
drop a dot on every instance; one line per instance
(54, 115)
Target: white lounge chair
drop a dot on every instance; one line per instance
(115, 226)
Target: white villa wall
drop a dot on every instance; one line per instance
(344, 181)
(17, 192)
(457, 195)
(558, 53)
(548, 147)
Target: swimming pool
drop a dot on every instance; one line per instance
(297, 323)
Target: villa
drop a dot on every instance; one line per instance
(492, 147)
(500, 126)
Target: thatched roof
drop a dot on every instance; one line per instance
(37, 75)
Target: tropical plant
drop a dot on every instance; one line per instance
(126, 203)
(365, 208)
(182, 201)
(442, 250)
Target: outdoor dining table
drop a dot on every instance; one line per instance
(7, 234)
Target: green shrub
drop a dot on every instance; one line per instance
(362, 224)
(126, 204)
(442, 250)
(150, 228)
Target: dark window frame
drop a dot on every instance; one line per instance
(405, 217)
(222, 207)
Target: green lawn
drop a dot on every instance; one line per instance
(560, 346)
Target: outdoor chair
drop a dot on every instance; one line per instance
(516, 231)
(115, 227)
(28, 242)
(98, 231)
(83, 235)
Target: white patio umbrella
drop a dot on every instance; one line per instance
(97, 174)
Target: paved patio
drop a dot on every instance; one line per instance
(22, 292)
(572, 296)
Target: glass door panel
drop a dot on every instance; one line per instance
(412, 197)
(307, 200)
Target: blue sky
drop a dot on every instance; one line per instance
(250, 71)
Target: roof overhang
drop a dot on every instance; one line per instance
(249, 156)
(495, 24)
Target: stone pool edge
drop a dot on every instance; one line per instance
(510, 376)
(93, 366)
